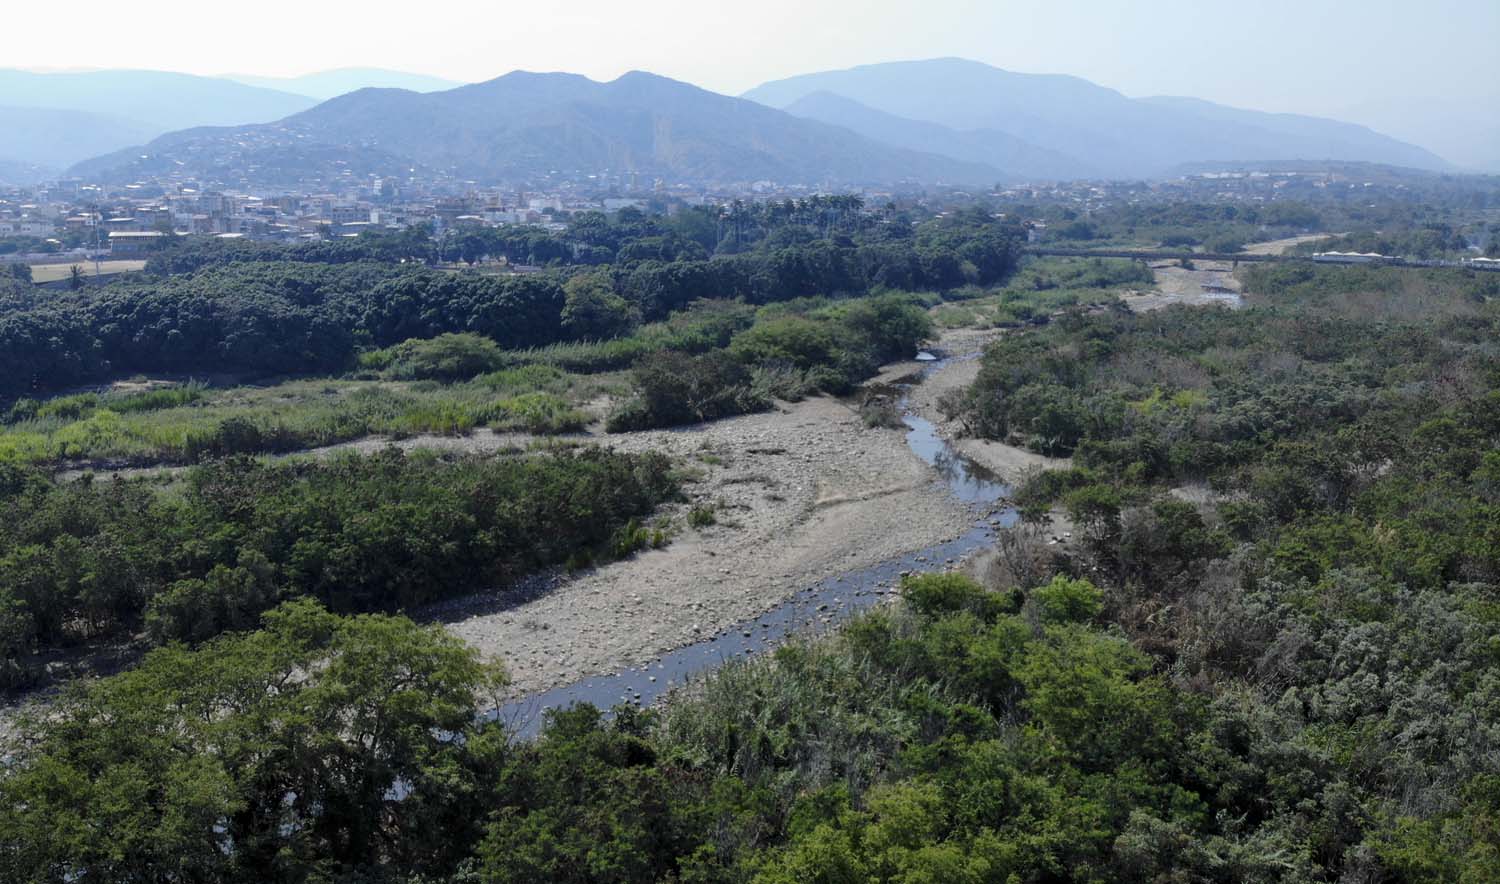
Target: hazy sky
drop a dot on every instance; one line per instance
(1381, 62)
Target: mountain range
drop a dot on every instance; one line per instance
(937, 121)
(525, 126)
(1095, 127)
(1010, 156)
(49, 121)
(157, 99)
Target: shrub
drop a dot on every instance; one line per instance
(675, 388)
(938, 595)
(1065, 600)
(449, 357)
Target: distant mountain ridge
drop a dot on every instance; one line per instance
(1103, 129)
(942, 121)
(51, 121)
(157, 99)
(524, 125)
(1016, 159)
(53, 138)
(323, 85)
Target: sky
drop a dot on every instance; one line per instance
(1427, 71)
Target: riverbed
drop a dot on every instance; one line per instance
(813, 608)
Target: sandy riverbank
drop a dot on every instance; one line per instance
(802, 493)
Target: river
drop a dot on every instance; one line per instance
(808, 611)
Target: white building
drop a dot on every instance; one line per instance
(1349, 257)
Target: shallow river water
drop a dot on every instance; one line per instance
(811, 610)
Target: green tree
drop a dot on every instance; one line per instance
(316, 742)
(592, 310)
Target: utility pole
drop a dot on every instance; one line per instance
(98, 221)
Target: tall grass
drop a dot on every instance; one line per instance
(150, 428)
(707, 325)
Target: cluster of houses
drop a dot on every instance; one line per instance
(89, 219)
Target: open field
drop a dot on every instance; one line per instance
(41, 273)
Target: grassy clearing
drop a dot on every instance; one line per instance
(187, 424)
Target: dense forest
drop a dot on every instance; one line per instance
(184, 560)
(313, 308)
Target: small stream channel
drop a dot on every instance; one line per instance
(809, 611)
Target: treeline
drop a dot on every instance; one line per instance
(260, 319)
(1215, 226)
(84, 560)
(189, 254)
(299, 317)
(1391, 227)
